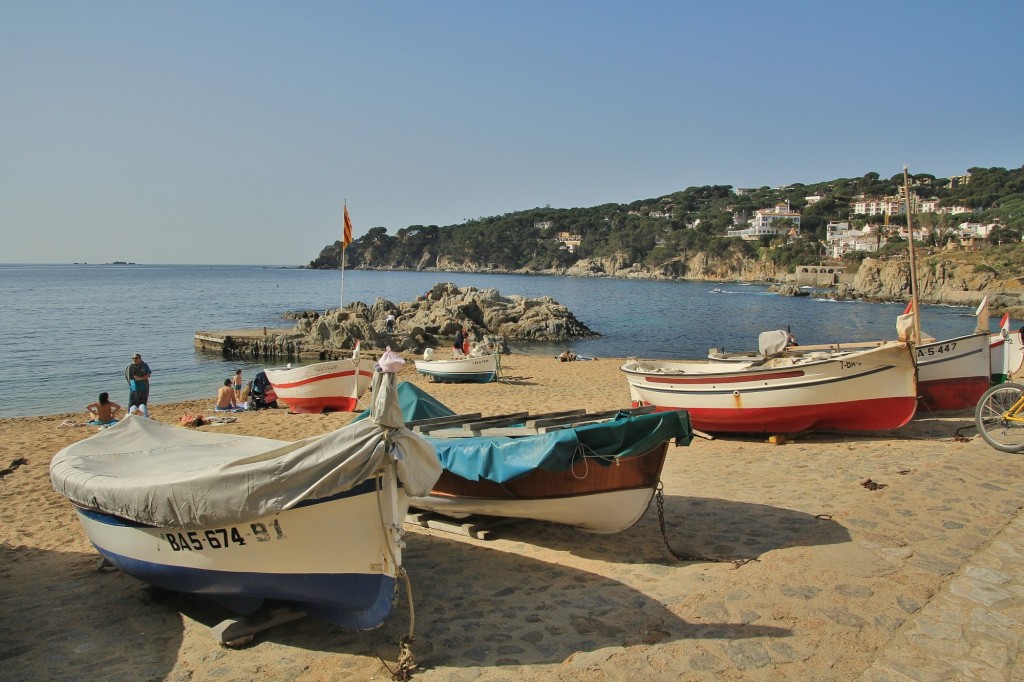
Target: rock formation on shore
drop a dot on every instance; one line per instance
(432, 319)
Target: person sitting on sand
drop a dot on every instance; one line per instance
(102, 411)
(567, 356)
(226, 397)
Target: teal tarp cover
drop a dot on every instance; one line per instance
(501, 459)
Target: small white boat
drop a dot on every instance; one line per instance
(333, 386)
(866, 390)
(316, 524)
(477, 369)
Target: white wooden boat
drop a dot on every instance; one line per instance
(866, 390)
(477, 369)
(333, 386)
(315, 524)
(952, 374)
(596, 472)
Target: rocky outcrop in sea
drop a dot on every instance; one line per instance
(430, 321)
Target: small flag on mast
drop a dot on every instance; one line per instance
(346, 238)
(1004, 323)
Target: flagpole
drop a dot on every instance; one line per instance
(346, 239)
(913, 260)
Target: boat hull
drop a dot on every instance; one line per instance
(873, 390)
(590, 497)
(330, 558)
(1007, 356)
(481, 369)
(954, 373)
(334, 386)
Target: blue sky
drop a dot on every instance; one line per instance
(232, 132)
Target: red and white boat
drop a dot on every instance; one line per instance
(1007, 351)
(333, 386)
(952, 374)
(864, 390)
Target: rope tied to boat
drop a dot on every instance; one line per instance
(406, 663)
(659, 495)
(582, 454)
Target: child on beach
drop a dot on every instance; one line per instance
(238, 385)
(102, 411)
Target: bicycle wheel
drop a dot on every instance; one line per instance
(993, 425)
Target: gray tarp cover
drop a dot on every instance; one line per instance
(173, 477)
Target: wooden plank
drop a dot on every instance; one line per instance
(852, 345)
(592, 417)
(533, 418)
(468, 426)
(499, 420)
(442, 420)
(449, 432)
(477, 527)
(240, 631)
(425, 425)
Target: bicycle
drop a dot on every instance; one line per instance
(999, 417)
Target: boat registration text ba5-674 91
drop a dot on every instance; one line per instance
(222, 538)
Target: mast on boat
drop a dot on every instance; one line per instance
(913, 260)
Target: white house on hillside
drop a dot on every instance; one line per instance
(763, 223)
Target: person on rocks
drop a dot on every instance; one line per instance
(389, 323)
(137, 375)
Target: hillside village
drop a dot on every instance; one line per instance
(842, 237)
(690, 234)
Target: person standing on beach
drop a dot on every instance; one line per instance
(238, 385)
(137, 375)
(460, 337)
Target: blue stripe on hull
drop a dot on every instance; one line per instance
(353, 600)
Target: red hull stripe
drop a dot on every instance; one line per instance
(321, 377)
(880, 414)
(318, 405)
(724, 379)
(952, 394)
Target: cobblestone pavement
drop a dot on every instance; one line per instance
(972, 629)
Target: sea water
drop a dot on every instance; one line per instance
(68, 331)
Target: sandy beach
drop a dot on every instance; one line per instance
(845, 582)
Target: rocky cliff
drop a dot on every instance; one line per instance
(938, 281)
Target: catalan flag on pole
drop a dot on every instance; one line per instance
(346, 238)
